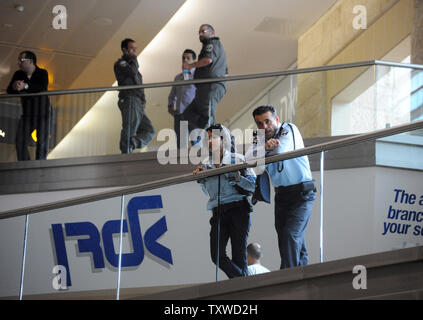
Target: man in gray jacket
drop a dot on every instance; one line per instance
(137, 129)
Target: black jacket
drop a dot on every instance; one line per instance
(32, 106)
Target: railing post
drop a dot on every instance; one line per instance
(23, 258)
(322, 168)
(122, 211)
(218, 230)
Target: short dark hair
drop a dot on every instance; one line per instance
(217, 126)
(263, 109)
(125, 42)
(194, 56)
(30, 55)
(254, 250)
(209, 26)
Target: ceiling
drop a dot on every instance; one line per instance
(258, 36)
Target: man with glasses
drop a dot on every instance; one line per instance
(201, 113)
(137, 129)
(36, 111)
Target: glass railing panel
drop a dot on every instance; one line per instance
(281, 92)
(85, 124)
(73, 251)
(12, 233)
(10, 112)
(345, 101)
(172, 233)
(399, 191)
(350, 98)
(379, 97)
(393, 92)
(373, 197)
(367, 187)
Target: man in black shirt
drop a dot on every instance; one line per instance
(201, 113)
(36, 111)
(137, 129)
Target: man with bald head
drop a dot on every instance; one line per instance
(254, 255)
(211, 63)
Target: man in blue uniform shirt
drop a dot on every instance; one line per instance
(294, 187)
(233, 218)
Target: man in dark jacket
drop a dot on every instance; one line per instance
(201, 113)
(137, 129)
(36, 111)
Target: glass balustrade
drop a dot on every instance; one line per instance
(335, 102)
(373, 196)
(368, 197)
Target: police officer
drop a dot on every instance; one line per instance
(137, 129)
(294, 187)
(201, 113)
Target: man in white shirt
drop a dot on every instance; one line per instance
(181, 96)
(253, 257)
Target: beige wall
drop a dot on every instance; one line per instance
(333, 40)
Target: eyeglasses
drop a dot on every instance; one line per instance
(203, 31)
(22, 59)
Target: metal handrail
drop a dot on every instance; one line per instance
(213, 172)
(213, 80)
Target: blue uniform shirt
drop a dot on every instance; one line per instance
(291, 171)
(228, 191)
(288, 172)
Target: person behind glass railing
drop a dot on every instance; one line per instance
(137, 129)
(181, 96)
(294, 187)
(232, 221)
(36, 111)
(254, 254)
(201, 113)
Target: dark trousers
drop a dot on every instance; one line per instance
(201, 113)
(184, 136)
(137, 129)
(292, 214)
(26, 125)
(235, 225)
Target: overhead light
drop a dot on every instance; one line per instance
(19, 8)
